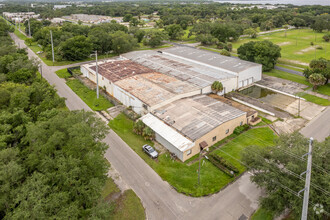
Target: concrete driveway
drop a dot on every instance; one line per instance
(160, 200)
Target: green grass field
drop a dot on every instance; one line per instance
(89, 96)
(325, 89)
(181, 176)
(232, 150)
(288, 76)
(63, 73)
(262, 214)
(314, 99)
(296, 45)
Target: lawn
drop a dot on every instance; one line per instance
(296, 45)
(232, 150)
(63, 73)
(89, 96)
(181, 176)
(288, 76)
(290, 67)
(127, 206)
(325, 89)
(314, 99)
(262, 214)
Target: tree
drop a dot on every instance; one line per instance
(22, 75)
(298, 22)
(322, 22)
(127, 18)
(316, 79)
(174, 31)
(275, 169)
(251, 32)
(76, 48)
(100, 39)
(134, 22)
(326, 37)
(29, 41)
(207, 39)
(122, 42)
(217, 86)
(224, 32)
(320, 66)
(148, 133)
(154, 38)
(35, 25)
(263, 52)
(138, 127)
(139, 35)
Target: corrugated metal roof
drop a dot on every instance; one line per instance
(168, 133)
(185, 70)
(224, 62)
(196, 116)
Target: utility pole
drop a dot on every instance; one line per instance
(299, 107)
(199, 166)
(97, 76)
(51, 39)
(29, 27)
(307, 181)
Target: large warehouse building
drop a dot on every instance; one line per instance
(196, 123)
(169, 88)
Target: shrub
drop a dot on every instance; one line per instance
(225, 53)
(148, 133)
(217, 86)
(326, 37)
(238, 130)
(319, 47)
(312, 43)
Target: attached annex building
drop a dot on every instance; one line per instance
(170, 89)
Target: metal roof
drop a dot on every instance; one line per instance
(231, 64)
(196, 116)
(168, 133)
(115, 70)
(183, 69)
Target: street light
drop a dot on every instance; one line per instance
(97, 74)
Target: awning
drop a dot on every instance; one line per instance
(203, 144)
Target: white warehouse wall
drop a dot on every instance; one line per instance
(250, 75)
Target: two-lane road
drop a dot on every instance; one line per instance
(160, 200)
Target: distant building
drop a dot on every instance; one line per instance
(61, 6)
(20, 16)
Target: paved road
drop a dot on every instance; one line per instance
(319, 127)
(289, 70)
(160, 200)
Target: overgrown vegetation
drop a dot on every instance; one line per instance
(89, 96)
(51, 159)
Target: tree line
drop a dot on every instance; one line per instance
(51, 159)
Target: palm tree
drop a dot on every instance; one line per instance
(148, 133)
(217, 87)
(138, 127)
(317, 79)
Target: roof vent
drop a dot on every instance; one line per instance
(133, 72)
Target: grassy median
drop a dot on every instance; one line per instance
(314, 99)
(181, 176)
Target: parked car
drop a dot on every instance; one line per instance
(150, 151)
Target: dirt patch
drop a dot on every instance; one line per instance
(284, 43)
(296, 62)
(305, 50)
